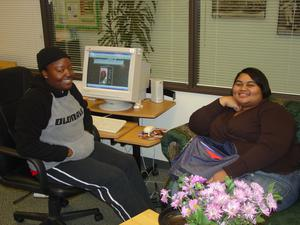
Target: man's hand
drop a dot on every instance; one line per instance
(218, 176)
(70, 152)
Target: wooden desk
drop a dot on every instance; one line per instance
(132, 137)
(129, 134)
(148, 217)
(149, 109)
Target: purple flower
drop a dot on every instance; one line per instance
(193, 204)
(180, 195)
(271, 201)
(232, 208)
(264, 209)
(213, 212)
(197, 179)
(257, 192)
(175, 203)
(185, 211)
(217, 186)
(241, 184)
(221, 199)
(257, 188)
(249, 211)
(240, 194)
(164, 193)
(207, 193)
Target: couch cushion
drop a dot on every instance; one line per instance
(292, 107)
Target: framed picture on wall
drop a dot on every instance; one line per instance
(80, 14)
(289, 17)
(239, 8)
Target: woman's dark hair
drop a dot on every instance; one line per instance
(259, 78)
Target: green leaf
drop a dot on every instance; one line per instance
(199, 218)
(260, 219)
(271, 187)
(229, 184)
(277, 197)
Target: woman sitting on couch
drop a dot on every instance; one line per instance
(262, 131)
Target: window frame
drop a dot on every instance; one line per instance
(193, 55)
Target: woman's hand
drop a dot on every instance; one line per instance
(229, 101)
(218, 176)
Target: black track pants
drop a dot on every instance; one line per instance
(111, 176)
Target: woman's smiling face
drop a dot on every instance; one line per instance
(246, 92)
(59, 74)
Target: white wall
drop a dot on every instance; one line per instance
(21, 30)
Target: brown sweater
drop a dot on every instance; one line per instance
(264, 136)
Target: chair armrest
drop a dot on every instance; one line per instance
(96, 133)
(174, 140)
(39, 166)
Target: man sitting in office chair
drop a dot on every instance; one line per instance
(53, 124)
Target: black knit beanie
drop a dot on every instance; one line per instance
(49, 55)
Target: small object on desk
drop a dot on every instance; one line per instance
(108, 124)
(152, 133)
(148, 129)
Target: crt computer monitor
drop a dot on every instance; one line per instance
(116, 74)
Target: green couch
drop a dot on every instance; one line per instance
(175, 139)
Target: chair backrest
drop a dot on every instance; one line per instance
(13, 84)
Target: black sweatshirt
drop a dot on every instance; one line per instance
(33, 114)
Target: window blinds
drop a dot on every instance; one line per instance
(170, 36)
(258, 33)
(168, 33)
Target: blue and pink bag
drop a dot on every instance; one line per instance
(204, 157)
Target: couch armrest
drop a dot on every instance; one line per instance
(174, 140)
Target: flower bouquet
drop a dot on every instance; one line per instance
(233, 202)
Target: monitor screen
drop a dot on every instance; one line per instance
(117, 75)
(108, 70)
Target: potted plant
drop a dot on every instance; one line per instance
(128, 23)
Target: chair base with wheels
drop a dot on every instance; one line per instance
(55, 216)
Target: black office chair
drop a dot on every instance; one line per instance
(14, 171)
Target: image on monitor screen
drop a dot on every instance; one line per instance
(108, 70)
